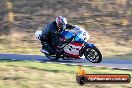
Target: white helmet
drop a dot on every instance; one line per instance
(38, 34)
(61, 22)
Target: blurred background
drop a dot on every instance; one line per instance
(108, 22)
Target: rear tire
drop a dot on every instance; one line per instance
(93, 55)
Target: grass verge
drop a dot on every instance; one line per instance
(27, 74)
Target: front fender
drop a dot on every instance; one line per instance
(86, 45)
(89, 45)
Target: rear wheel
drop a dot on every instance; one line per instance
(93, 55)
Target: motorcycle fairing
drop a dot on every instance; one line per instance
(72, 49)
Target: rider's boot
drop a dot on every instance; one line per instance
(44, 51)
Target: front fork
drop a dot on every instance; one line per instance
(83, 50)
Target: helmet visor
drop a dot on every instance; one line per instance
(62, 26)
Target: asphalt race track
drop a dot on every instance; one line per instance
(110, 63)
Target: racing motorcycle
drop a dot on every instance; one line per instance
(75, 45)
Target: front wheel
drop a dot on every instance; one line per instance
(93, 55)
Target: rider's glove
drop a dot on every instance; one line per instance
(69, 26)
(63, 39)
(42, 38)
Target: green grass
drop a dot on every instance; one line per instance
(27, 74)
(127, 56)
(20, 45)
(4, 48)
(123, 57)
(40, 66)
(22, 51)
(57, 67)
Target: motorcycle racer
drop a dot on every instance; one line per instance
(49, 36)
(67, 42)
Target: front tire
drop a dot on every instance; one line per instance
(93, 55)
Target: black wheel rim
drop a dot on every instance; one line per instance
(92, 55)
